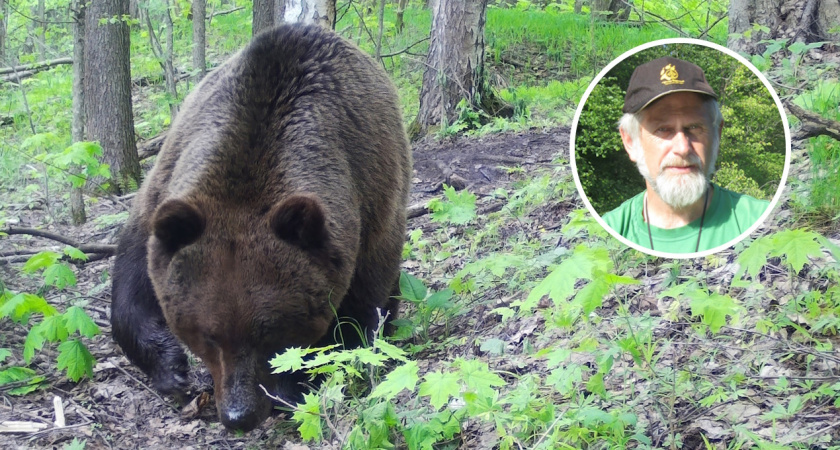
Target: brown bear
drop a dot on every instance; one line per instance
(274, 212)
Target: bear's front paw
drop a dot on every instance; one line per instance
(171, 376)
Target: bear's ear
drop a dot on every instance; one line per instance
(300, 220)
(177, 224)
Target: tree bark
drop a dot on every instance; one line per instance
(263, 16)
(109, 116)
(199, 59)
(77, 125)
(455, 65)
(320, 12)
(42, 30)
(168, 64)
(380, 20)
(806, 21)
(399, 24)
(164, 55)
(3, 16)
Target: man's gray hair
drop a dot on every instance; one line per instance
(632, 123)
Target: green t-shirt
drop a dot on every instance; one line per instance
(729, 215)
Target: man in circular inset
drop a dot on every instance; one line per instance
(671, 129)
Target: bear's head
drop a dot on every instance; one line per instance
(239, 283)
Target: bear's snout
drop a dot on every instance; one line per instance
(242, 407)
(239, 415)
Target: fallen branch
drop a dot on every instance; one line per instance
(151, 147)
(18, 76)
(813, 124)
(38, 66)
(417, 210)
(222, 13)
(104, 249)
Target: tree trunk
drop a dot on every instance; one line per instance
(321, 12)
(612, 10)
(805, 21)
(400, 15)
(42, 30)
(263, 16)
(164, 55)
(168, 64)
(380, 20)
(77, 125)
(3, 30)
(199, 60)
(455, 65)
(109, 117)
(279, 11)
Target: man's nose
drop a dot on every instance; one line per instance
(681, 144)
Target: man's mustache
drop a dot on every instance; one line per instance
(677, 161)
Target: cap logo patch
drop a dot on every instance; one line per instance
(669, 75)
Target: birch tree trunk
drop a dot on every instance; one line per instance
(320, 12)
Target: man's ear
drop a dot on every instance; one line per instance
(628, 143)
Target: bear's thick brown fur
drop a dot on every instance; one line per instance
(277, 204)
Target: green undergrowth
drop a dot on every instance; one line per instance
(822, 199)
(45, 324)
(518, 336)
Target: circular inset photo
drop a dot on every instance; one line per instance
(680, 148)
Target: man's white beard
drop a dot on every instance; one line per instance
(678, 190)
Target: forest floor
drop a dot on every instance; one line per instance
(116, 409)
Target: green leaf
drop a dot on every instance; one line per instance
(4, 353)
(440, 299)
(439, 387)
(289, 361)
(40, 261)
(18, 374)
(478, 377)
(60, 276)
(35, 340)
(411, 288)
(390, 350)
(494, 346)
(75, 253)
(458, 210)
(15, 374)
(403, 377)
(76, 359)
(795, 246)
(596, 385)
(79, 320)
(560, 283)
(21, 306)
(714, 309)
(308, 415)
(76, 444)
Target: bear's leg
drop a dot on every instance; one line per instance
(137, 321)
(370, 297)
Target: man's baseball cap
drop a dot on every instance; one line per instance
(661, 77)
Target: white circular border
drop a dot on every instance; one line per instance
(717, 47)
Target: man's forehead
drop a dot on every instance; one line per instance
(681, 104)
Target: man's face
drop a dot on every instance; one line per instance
(675, 150)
